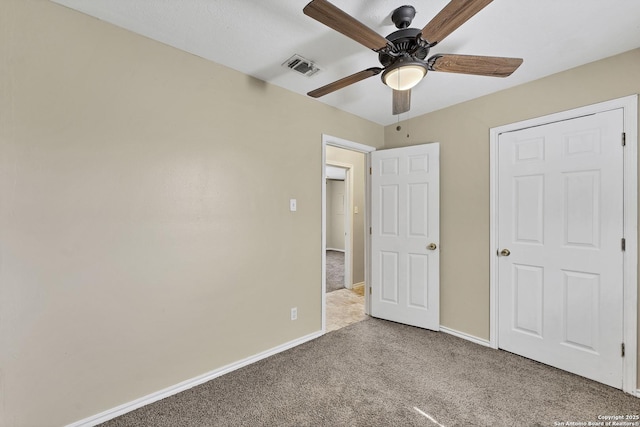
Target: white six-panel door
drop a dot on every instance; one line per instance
(405, 235)
(560, 216)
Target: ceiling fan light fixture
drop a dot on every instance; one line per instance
(404, 75)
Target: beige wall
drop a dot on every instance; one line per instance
(144, 214)
(335, 214)
(463, 131)
(358, 176)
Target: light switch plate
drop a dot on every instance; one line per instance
(293, 205)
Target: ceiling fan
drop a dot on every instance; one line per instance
(403, 53)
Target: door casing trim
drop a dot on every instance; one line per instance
(629, 104)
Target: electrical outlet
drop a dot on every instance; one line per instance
(294, 313)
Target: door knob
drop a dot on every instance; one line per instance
(432, 246)
(505, 252)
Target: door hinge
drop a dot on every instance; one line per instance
(622, 349)
(370, 232)
(624, 139)
(623, 243)
(370, 291)
(369, 171)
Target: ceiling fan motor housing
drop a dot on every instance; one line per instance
(403, 42)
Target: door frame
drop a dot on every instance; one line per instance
(348, 221)
(366, 150)
(629, 104)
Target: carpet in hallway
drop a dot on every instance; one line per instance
(335, 270)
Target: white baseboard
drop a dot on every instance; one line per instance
(464, 336)
(185, 385)
(353, 286)
(337, 250)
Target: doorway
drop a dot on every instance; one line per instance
(563, 230)
(344, 221)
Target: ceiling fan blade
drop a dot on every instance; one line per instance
(401, 101)
(344, 82)
(454, 14)
(493, 66)
(331, 16)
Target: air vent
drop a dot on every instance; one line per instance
(301, 65)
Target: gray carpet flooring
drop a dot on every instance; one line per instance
(378, 373)
(335, 270)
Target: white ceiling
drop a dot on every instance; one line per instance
(256, 37)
